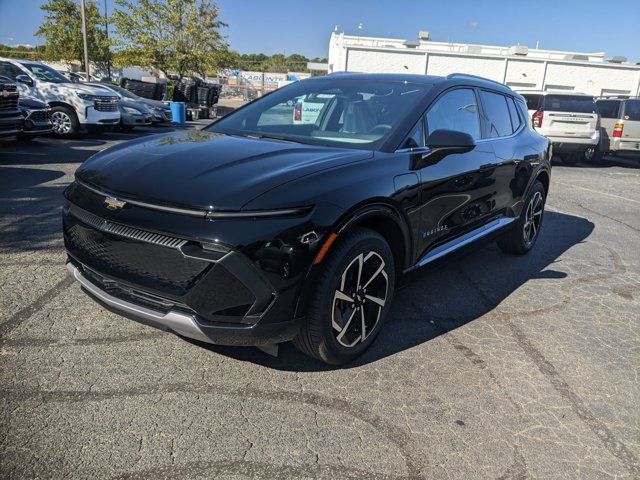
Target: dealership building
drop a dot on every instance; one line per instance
(518, 66)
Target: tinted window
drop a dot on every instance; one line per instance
(497, 114)
(513, 111)
(9, 70)
(608, 108)
(533, 101)
(416, 137)
(45, 73)
(455, 110)
(348, 112)
(632, 110)
(570, 103)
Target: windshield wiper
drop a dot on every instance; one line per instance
(270, 137)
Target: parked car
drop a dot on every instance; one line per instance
(160, 111)
(74, 106)
(620, 124)
(37, 118)
(252, 232)
(132, 112)
(570, 120)
(11, 120)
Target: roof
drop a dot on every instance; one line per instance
(452, 79)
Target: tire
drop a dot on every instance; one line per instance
(331, 333)
(518, 240)
(65, 122)
(592, 155)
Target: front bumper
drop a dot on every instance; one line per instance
(215, 296)
(95, 117)
(135, 120)
(187, 324)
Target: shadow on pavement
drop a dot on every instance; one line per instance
(444, 293)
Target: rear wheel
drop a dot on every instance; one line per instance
(351, 298)
(64, 121)
(522, 237)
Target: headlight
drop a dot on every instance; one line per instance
(87, 96)
(132, 110)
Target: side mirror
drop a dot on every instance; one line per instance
(26, 79)
(442, 143)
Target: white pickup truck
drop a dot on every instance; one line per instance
(74, 106)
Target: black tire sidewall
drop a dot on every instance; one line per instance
(536, 187)
(364, 242)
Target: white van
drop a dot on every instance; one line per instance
(74, 106)
(570, 120)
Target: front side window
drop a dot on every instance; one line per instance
(497, 114)
(45, 74)
(608, 108)
(632, 110)
(344, 112)
(455, 110)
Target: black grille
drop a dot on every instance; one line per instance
(155, 267)
(106, 104)
(11, 98)
(125, 231)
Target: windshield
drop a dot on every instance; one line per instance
(570, 103)
(122, 91)
(329, 111)
(44, 73)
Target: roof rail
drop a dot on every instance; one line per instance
(467, 75)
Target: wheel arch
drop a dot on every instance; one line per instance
(544, 178)
(377, 215)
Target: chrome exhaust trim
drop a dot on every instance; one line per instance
(178, 322)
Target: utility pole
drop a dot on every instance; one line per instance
(84, 39)
(106, 29)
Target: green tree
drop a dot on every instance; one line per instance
(181, 36)
(62, 32)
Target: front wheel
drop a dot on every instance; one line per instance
(351, 298)
(64, 121)
(522, 237)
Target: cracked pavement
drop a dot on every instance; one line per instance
(490, 366)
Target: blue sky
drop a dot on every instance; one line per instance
(304, 26)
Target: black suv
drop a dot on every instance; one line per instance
(11, 119)
(294, 217)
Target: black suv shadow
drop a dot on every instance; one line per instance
(441, 298)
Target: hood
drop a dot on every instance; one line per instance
(155, 103)
(201, 169)
(138, 105)
(82, 88)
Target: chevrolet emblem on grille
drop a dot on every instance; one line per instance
(5, 93)
(113, 203)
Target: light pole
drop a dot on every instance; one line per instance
(84, 39)
(106, 29)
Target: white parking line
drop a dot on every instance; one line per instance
(599, 192)
(25, 153)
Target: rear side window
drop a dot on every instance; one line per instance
(632, 110)
(570, 103)
(497, 114)
(455, 110)
(513, 111)
(533, 101)
(608, 108)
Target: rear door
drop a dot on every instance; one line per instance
(572, 116)
(609, 115)
(631, 124)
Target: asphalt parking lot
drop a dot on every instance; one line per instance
(491, 366)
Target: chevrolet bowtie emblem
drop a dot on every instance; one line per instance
(113, 203)
(5, 93)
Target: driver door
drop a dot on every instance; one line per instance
(458, 192)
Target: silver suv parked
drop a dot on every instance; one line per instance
(620, 124)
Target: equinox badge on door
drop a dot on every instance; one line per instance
(113, 203)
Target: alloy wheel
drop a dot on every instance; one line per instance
(533, 218)
(359, 299)
(61, 123)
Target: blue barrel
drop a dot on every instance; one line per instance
(178, 113)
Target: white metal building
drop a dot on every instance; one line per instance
(518, 66)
